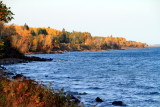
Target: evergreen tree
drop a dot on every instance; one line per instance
(33, 33)
(63, 38)
(41, 31)
(26, 26)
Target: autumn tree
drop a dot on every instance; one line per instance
(5, 13)
(1, 28)
(5, 16)
(6, 32)
(9, 30)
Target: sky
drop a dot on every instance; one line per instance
(136, 20)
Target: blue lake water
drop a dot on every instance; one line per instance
(131, 75)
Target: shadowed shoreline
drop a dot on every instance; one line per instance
(24, 59)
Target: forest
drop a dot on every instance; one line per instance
(48, 40)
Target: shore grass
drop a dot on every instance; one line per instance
(24, 92)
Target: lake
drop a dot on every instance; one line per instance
(131, 75)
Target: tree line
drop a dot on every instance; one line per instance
(47, 40)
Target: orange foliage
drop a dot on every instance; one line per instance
(24, 92)
(46, 40)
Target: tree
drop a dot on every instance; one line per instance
(8, 31)
(5, 16)
(41, 31)
(26, 27)
(63, 38)
(6, 49)
(33, 33)
(5, 13)
(1, 28)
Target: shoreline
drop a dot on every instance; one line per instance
(62, 51)
(17, 79)
(25, 59)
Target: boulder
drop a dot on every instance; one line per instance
(98, 99)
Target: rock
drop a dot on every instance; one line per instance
(33, 58)
(10, 61)
(46, 75)
(20, 59)
(18, 76)
(98, 99)
(76, 100)
(73, 98)
(118, 103)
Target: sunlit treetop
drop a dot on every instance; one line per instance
(5, 13)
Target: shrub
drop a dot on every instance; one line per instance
(25, 92)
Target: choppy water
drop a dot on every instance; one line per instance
(132, 75)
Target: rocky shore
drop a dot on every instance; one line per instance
(5, 61)
(25, 59)
(67, 99)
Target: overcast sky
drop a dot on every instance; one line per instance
(137, 20)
